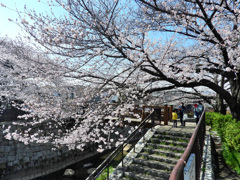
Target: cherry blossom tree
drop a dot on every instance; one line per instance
(182, 42)
(42, 87)
(139, 47)
(213, 28)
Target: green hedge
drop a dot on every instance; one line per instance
(229, 130)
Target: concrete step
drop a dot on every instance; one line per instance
(158, 158)
(173, 133)
(136, 176)
(170, 137)
(166, 147)
(153, 164)
(146, 171)
(170, 142)
(190, 120)
(162, 152)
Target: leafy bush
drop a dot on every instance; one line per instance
(209, 118)
(232, 157)
(218, 122)
(232, 135)
(229, 130)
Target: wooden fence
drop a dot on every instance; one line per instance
(161, 113)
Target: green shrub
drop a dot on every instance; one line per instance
(229, 130)
(209, 118)
(218, 121)
(231, 157)
(232, 135)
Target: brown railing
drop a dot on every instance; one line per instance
(195, 146)
(119, 150)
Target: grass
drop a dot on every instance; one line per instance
(175, 157)
(203, 168)
(142, 157)
(130, 178)
(183, 140)
(161, 154)
(103, 176)
(114, 164)
(163, 143)
(178, 145)
(149, 151)
(151, 147)
(154, 141)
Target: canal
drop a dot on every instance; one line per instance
(81, 172)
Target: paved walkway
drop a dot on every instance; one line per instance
(188, 128)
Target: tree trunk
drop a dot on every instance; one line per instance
(220, 105)
(223, 109)
(235, 111)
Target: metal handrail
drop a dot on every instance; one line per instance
(195, 145)
(106, 163)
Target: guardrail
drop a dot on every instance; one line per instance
(107, 162)
(195, 146)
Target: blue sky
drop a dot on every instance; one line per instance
(12, 30)
(9, 28)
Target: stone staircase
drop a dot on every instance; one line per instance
(158, 157)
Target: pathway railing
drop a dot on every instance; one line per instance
(195, 146)
(108, 161)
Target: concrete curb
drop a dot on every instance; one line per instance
(117, 173)
(207, 167)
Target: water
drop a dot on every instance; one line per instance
(80, 172)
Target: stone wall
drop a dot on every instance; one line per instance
(20, 161)
(15, 156)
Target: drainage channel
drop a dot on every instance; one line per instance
(81, 169)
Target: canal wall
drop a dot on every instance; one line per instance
(28, 161)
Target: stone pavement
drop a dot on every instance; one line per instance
(188, 128)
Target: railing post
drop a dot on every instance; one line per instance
(153, 118)
(143, 113)
(122, 155)
(170, 111)
(134, 144)
(165, 115)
